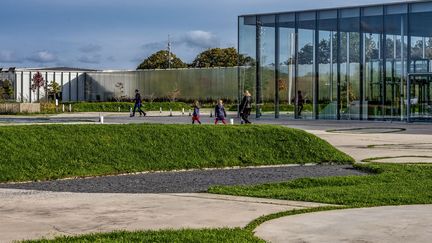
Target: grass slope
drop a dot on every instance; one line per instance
(187, 235)
(58, 151)
(391, 184)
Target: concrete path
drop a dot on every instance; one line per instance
(34, 214)
(382, 224)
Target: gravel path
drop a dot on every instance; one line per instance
(186, 182)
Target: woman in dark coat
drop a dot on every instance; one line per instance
(246, 107)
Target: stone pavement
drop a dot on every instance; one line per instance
(35, 214)
(382, 224)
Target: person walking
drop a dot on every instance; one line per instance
(196, 113)
(220, 113)
(299, 101)
(246, 107)
(138, 104)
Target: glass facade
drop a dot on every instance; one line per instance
(356, 63)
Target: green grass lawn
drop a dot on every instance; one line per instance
(390, 184)
(188, 235)
(42, 152)
(114, 106)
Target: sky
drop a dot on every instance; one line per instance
(119, 34)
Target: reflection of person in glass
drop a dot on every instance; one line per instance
(246, 107)
(299, 101)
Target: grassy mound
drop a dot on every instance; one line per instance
(58, 151)
(390, 184)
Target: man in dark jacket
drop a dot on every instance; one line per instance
(138, 104)
(246, 107)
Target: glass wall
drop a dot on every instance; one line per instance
(267, 65)
(327, 64)
(305, 76)
(247, 51)
(420, 59)
(286, 66)
(348, 63)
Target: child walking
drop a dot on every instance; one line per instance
(220, 113)
(196, 113)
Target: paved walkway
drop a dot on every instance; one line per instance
(34, 214)
(382, 224)
(191, 181)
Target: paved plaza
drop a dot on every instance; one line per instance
(29, 214)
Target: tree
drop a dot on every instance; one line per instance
(54, 89)
(159, 60)
(6, 90)
(38, 81)
(220, 57)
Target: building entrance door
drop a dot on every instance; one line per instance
(419, 101)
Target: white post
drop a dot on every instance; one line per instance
(130, 111)
(119, 109)
(211, 113)
(232, 121)
(170, 112)
(101, 118)
(160, 110)
(70, 107)
(56, 102)
(63, 108)
(182, 111)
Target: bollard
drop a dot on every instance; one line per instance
(130, 111)
(70, 107)
(56, 102)
(232, 121)
(170, 112)
(63, 108)
(211, 113)
(101, 119)
(119, 109)
(160, 110)
(182, 111)
(190, 114)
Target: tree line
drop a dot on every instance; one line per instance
(214, 57)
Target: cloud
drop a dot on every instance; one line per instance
(111, 59)
(199, 39)
(9, 57)
(42, 57)
(90, 48)
(92, 59)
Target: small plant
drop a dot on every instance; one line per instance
(174, 94)
(6, 90)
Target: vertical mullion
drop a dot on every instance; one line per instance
(316, 76)
(408, 65)
(384, 66)
(338, 68)
(258, 66)
(277, 66)
(362, 67)
(296, 38)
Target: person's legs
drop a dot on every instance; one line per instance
(223, 121)
(246, 116)
(134, 110)
(216, 121)
(300, 109)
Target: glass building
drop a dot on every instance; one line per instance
(354, 63)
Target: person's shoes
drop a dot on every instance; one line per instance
(131, 116)
(242, 122)
(145, 114)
